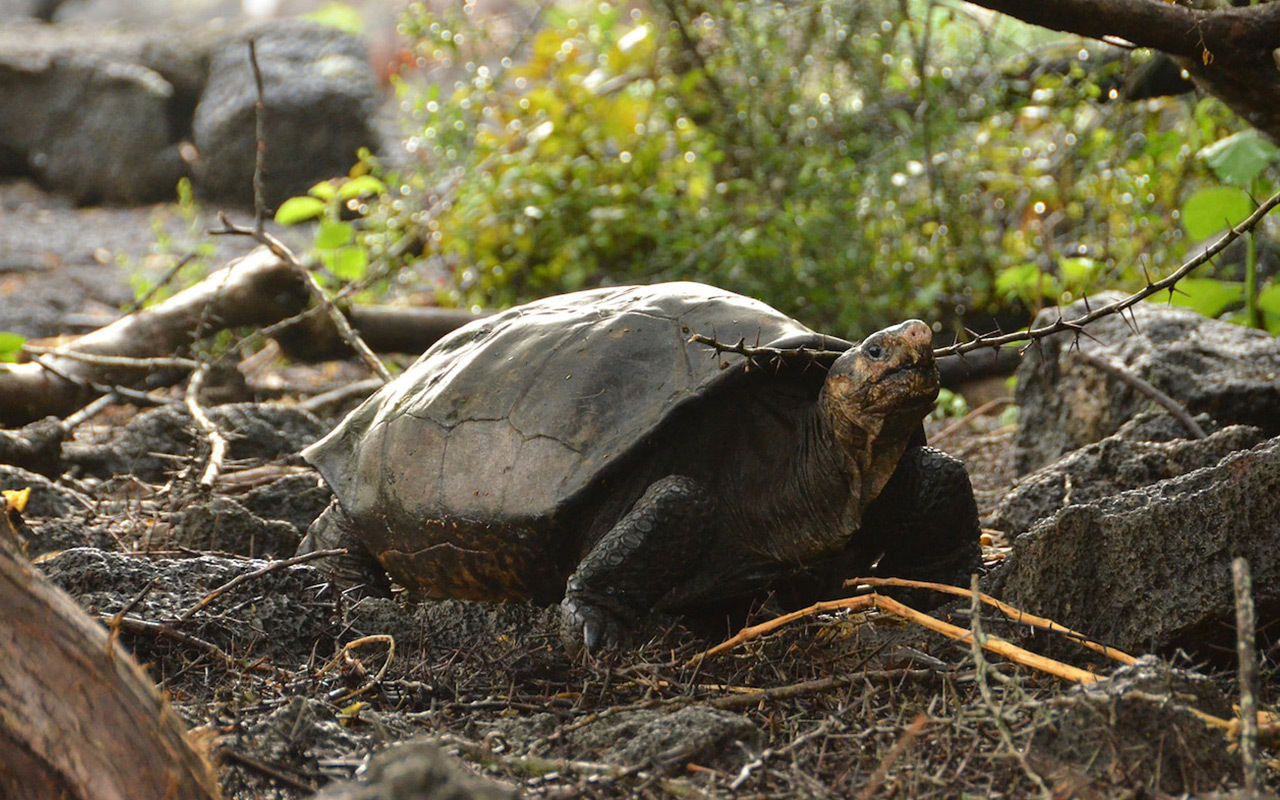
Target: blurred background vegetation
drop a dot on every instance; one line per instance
(852, 162)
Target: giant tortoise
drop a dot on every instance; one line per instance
(583, 449)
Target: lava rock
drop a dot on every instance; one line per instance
(1138, 731)
(670, 740)
(47, 499)
(162, 440)
(320, 95)
(417, 770)
(1226, 371)
(104, 113)
(86, 123)
(1151, 567)
(223, 525)
(1139, 454)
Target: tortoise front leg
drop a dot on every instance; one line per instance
(924, 524)
(648, 552)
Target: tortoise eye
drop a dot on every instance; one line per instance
(875, 351)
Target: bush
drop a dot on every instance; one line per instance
(850, 162)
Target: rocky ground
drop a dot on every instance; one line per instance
(291, 685)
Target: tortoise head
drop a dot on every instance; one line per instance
(885, 386)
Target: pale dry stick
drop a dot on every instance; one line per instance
(260, 143)
(280, 249)
(1172, 406)
(978, 640)
(217, 442)
(996, 645)
(245, 577)
(890, 758)
(1015, 614)
(1246, 653)
(112, 361)
(1119, 306)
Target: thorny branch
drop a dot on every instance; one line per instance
(775, 355)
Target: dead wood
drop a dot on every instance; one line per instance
(255, 290)
(260, 289)
(78, 717)
(1229, 51)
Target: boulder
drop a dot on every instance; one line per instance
(1150, 568)
(1137, 733)
(1147, 449)
(86, 123)
(1225, 371)
(416, 770)
(103, 114)
(320, 95)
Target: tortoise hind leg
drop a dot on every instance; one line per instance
(924, 525)
(648, 552)
(358, 569)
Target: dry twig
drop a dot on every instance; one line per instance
(217, 442)
(1246, 653)
(1175, 408)
(1015, 614)
(889, 605)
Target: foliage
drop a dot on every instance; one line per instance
(335, 242)
(849, 162)
(1241, 162)
(10, 346)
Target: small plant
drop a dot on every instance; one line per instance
(333, 203)
(1241, 162)
(191, 249)
(10, 346)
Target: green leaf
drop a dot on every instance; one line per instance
(349, 263)
(333, 235)
(299, 209)
(1269, 299)
(1077, 271)
(1210, 210)
(356, 187)
(1207, 296)
(1240, 157)
(340, 16)
(324, 190)
(10, 345)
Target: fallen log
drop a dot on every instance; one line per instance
(257, 290)
(79, 720)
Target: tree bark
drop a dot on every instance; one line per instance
(1229, 52)
(79, 720)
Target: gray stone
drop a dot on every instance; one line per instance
(1138, 731)
(1230, 373)
(320, 96)
(1150, 568)
(1141, 453)
(670, 740)
(102, 113)
(224, 526)
(87, 124)
(416, 771)
(160, 441)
